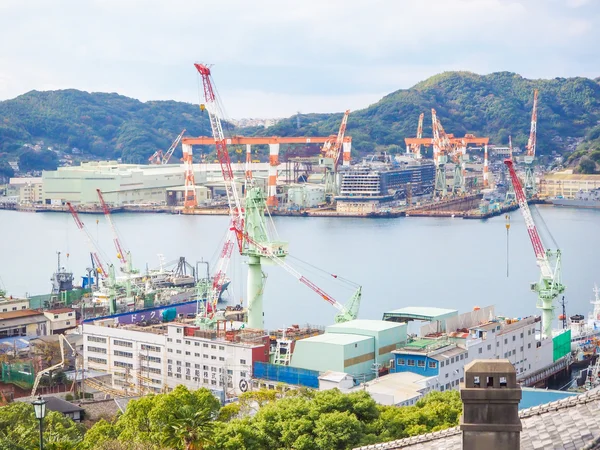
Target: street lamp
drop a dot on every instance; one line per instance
(39, 407)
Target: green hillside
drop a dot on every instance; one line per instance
(494, 105)
(98, 124)
(113, 126)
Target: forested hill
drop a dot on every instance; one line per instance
(495, 105)
(99, 124)
(105, 125)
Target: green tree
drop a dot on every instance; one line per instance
(587, 165)
(190, 428)
(37, 160)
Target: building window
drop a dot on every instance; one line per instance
(242, 361)
(178, 352)
(213, 346)
(178, 363)
(421, 363)
(170, 350)
(197, 355)
(521, 349)
(188, 343)
(514, 338)
(489, 346)
(123, 343)
(521, 335)
(213, 357)
(452, 360)
(221, 347)
(221, 358)
(97, 360)
(96, 349)
(243, 374)
(197, 344)
(205, 345)
(153, 370)
(505, 341)
(178, 341)
(123, 364)
(410, 362)
(441, 363)
(169, 339)
(529, 345)
(68, 323)
(55, 315)
(213, 369)
(188, 353)
(432, 364)
(151, 348)
(400, 361)
(513, 352)
(205, 356)
(96, 339)
(179, 330)
(123, 354)
(480, 350)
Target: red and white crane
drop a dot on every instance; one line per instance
(92, 246)
(549, 286)
(122, 255)
(530, 187)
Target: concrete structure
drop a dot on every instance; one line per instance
(175, 195)
(13, 304)
(306, 196)
(335, 380)
(490, 396)
(350, 353)
(124, 184)
(61, 319)
(566, 184)
(399, 389)
(23, 323)
(352, 347)
(159, 357)
(27, 189)
(388, 335)
(421, 313)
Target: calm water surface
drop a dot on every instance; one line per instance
(443, 262)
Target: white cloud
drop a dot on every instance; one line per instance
(274, 57)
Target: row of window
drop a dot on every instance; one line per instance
(197, 344)
(452, 384)
(97, 360)
(96, 339)
(96, 349)
(454, 359)
(150, 348)
(123, 354)
(123, 343)
(419, 363)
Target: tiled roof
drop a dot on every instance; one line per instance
(570, 423)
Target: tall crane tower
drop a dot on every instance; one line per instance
(330, 160)
(249, 225)
(441, 148)
(415, 149)
(510, 190)
(550, 284)
(530, 187)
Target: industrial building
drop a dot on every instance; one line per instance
(25, 190)
(355, 347)
(155, 358)
(123, 184)
(566, 184)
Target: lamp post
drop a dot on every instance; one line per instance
(39, 407)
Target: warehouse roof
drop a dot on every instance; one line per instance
(336, 339)
(19, 314)
(362, 324)
(571, 176)
(425, 313)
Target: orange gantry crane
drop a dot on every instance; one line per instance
(415, 148)
(447, 145)
(331, 157)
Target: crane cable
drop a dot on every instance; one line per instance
(337, 277)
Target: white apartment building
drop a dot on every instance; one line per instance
(61, 319)
(157, 358)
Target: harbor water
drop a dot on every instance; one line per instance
(442, 262)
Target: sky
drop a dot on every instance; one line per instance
(273, 58)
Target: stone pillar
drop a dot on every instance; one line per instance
(490, 396)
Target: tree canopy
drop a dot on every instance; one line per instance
(497, 105)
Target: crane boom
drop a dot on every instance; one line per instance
(214, 112)
(536, 241)
(167, 156)
(38, 377)
(90, 241)
(268, 253)
(334, 151)
(531, 143)
(121, 254)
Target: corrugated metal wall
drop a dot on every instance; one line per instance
(286, 374)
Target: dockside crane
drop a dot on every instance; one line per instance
(248, 224)
(530, 187)
(415, 148)
(441, 148)
(550, 284)
(510, 191)
(163, 158)
(331, 157)
(92, 247)
(124, 256)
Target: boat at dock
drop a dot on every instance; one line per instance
(583, 199)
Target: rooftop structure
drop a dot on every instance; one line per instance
(570, 423)
(423, 313)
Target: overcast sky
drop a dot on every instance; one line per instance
(275, 57)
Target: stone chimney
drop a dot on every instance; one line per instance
(490, 396)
